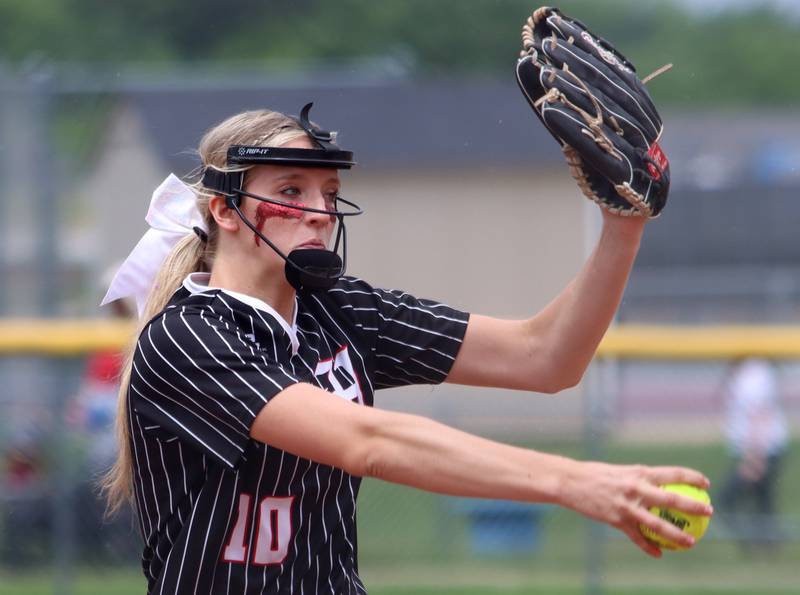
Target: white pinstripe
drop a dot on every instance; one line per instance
(169, 491)
(139, 491)
(417, 347)
(344, 529)
(300, 525)
(382, 297)
(250, 346)
(183, 426)
(424, 365)
(191, 383)
(149, 472)
(412, 378)
(234, 504)
(258, 369)
(183, 469)
(418, 328)
(234, 372)
(291, 481)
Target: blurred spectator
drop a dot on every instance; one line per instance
(758, 438)
(92, 410)
(24, 483)
(90, 419)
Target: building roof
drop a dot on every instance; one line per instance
(395, 124)
(735, 174)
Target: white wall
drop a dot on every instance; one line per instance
(127, 171)
(501, 243)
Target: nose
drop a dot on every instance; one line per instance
(318, 201)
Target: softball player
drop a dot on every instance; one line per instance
(246, 418)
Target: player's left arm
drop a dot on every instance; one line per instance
(551, 351)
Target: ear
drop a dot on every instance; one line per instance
(225, 217)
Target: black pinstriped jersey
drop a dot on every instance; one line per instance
(222, 513)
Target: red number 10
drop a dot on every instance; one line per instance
(273, 531)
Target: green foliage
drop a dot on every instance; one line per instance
(734, 57)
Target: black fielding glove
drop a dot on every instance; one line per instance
(588, 95)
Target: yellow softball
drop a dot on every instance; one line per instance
(694, 525)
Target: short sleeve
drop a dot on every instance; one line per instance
(197, 376)
(414, 341)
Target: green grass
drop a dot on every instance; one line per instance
(430, 547)
(414, 542)
(87, 582)
(130, 583)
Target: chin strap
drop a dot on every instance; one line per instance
(308, 269)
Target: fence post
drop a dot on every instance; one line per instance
(42, 163)
(593, 447)
(8, 86)
(45, 169)
(63, 493)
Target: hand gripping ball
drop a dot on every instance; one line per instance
(694, 525)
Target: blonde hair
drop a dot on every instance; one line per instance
(263, 128)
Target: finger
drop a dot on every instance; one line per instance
(666, 499)
(664, 528)
(650, 495)
(664, 475)
(648, 547)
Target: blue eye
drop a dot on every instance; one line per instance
(291, 191)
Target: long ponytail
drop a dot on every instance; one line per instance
(189, 255)
(262, 128)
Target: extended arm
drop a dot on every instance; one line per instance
(551, 350)
(422, 453)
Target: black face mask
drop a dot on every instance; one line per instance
(309, 269)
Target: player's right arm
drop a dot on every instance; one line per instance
(419, 452)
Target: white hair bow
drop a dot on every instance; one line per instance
(172, 214)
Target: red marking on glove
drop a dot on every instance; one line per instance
(657, 155)
(267, 210)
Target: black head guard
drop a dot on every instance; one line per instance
(306, 269)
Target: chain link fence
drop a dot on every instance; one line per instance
(56, 438)
(57, 409)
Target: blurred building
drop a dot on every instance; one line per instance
(725, 249)
(467, 200)
(457, 180)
